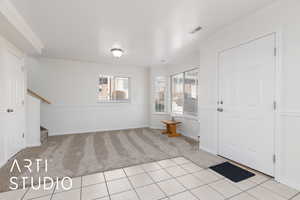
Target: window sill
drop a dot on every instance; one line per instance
(185, 116)
(162, 113)
(114, 102)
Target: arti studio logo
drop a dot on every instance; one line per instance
(34, 166)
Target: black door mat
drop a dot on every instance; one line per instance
(232, 172)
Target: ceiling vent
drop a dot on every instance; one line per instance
(199, 28)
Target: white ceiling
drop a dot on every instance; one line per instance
(148, 30)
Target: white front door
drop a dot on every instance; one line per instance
(12, 104)
(246, 95)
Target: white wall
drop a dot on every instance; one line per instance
(71, 86)
(281, 17)
(33, 122)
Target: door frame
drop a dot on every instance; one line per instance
(8, 48)
(277, 96)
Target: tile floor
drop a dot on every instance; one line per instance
(173, 179)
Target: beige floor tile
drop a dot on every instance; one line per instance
(129, 195)
(225, 188)
(114, 174)
(208, 193)
(191, 167)
(150, 192)
(93, 179)
(262, 193)
(215, 173)
(94, 191)
(206, 176)
(243, 196)
(244, 185)
(189, 181)
(296, 197)
(259, 178)
(148, 167)
(117, 186)
(280, 189)
(72, 195)
(12, 195)
(181, 161)
(63, 186)
(176, 171)
(171, 187)
(167, 163)
(140, 180)
(44, 198)
(40, 192)
(159, 175)
(104, 198)
(183, 196)
(134, 170)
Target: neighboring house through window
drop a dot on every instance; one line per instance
(184, 93)
(160, 95)
(113, 89)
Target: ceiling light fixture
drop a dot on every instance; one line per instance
(196, 30)
(117, 52)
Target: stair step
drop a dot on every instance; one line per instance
(44, 135)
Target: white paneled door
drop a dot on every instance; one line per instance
(246, 104)
(12, 110)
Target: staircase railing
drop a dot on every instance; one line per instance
(38, 96)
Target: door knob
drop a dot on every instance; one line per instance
(10, 110)
(220, 110)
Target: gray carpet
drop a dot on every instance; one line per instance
(82, 154)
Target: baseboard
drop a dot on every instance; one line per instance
(289, 183)
(95, 130)
(156, 127)
(208, 150)
(33, 145)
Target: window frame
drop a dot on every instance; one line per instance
(187, 114)
(115, 101)
(165, 93)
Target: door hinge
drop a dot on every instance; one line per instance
(274, 158)
(275, 51)
(275, 105)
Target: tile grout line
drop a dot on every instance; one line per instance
(134, 189)
(251, 188)
(171, 177)
(81, 183)
(105, 181)
(188, 173)
(23, 196)
(276, 191)
(294, 196)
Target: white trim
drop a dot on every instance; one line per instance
(207, 150)
(8, 10)
(33, 145)
(278, 88)
(94, 131)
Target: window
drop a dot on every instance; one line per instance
(184, 93)
(160, 95)
(113, 89)
(177, 93)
